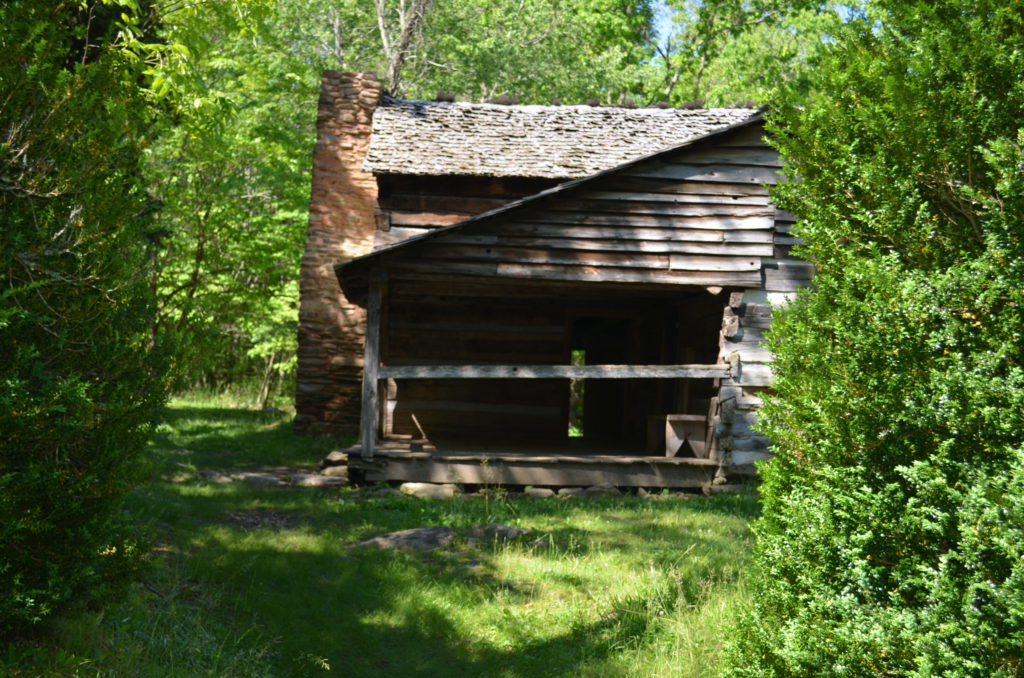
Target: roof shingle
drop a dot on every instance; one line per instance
(557, 142)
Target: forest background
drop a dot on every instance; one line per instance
(231, 170)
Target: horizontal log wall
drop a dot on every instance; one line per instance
(412, 205)
(701, 216)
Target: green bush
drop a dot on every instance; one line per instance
(892, 541)
(80, 378)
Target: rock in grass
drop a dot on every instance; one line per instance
(416, 539)
(430, 490)
(571, 492)
(259, 479)
(335, 471)
(539, 492)
(212, 476)
(497, 531)
(600, 491)
(313, 480)
(335, 458)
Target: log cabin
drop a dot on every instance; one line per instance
(546, 302)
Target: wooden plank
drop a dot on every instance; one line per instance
(741, 174)
(418, 202)
(757, 249)
(423, 219)
(623, 259)
(541, 472)
(626, 232)
(753, 375)
(396, 235)
(787, 275)
(662, 208)
(681, 262)
(757, 316)
(679, 198)
(720, 223)
(677, 187)
(554, 371)
(733, 155)
(371, 366)
(748, 136)
(591, 274)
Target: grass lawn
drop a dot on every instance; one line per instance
(250, 581)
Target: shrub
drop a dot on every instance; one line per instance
(892, 541)
(80, 378)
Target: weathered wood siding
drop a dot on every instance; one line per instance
(699, 217)
(411, 205)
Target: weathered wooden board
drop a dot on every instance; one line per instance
(740, 174)
(425, 219)
(539, 472)
(662, 208)
(734, 155)
(592, 274)
(715, 223)
(786, 275)
(625, 232)
(397, 235)
(680, 262)
(710, 243)
(679, 198)
(371, 360)
(554, 371)
(753, 375)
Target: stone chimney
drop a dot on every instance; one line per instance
(341, 227)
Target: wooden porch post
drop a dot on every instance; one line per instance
(371, 365)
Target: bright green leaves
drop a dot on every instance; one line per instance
(889, 545)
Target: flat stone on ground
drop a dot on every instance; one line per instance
(598, 491)
(212, 476)
(571, 492)
(497, 531)
(416, 539)
(335, 471)
(335, 458)
(314, 480)
(430, 490)
(259, 479)
(539, 492)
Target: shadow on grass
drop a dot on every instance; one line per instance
(380, 613)
(235, 438)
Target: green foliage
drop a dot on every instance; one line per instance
(537, 50)
(893, 536)
(727, 52)
(80, 379)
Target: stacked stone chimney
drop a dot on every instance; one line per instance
(341, 227)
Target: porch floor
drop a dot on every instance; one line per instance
(418, 461)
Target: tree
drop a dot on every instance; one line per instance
(721, 52)
(81, 381)
(231, 176)
(893, 533)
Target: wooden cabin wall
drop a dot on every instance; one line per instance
(410, 205)
(701, 217)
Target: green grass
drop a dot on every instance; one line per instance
(271, 582)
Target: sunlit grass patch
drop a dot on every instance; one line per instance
(272, 581)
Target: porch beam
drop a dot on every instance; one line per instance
(371, 367)
(555, 371)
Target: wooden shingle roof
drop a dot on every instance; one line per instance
(557, 142)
